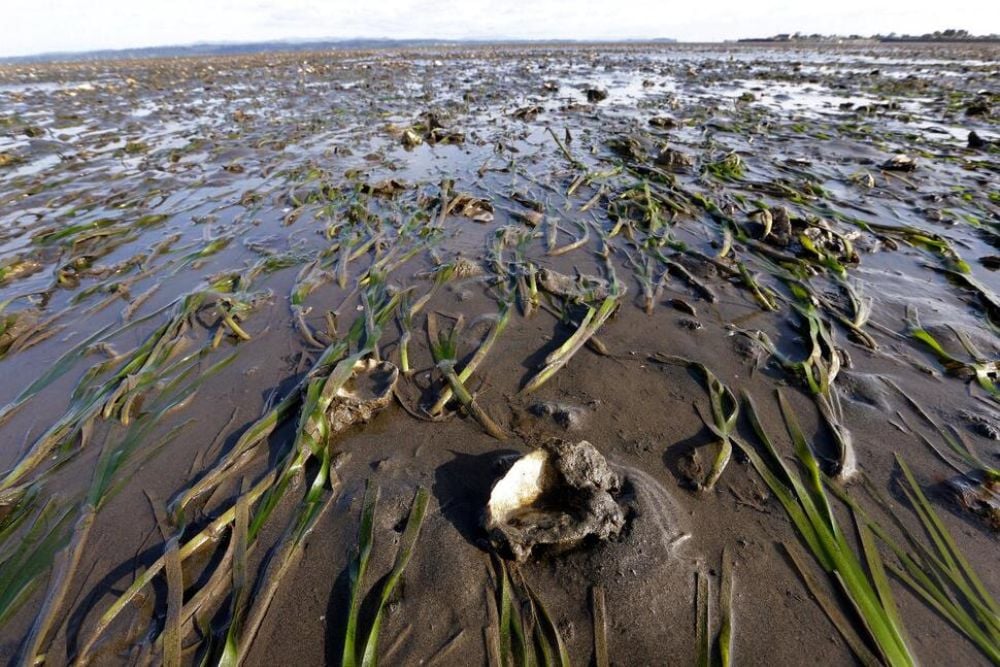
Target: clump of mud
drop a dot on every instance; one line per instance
(569, 417)
(554, 498)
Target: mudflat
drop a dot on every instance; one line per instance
(274, 326)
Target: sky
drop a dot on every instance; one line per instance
(39, 26)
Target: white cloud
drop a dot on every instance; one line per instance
(71, 25)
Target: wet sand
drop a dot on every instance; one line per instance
(182, 240)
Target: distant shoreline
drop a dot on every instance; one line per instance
(216, 50)
(292, 46)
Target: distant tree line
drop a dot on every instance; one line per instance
(940, 36)
(952, 35)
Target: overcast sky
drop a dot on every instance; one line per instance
(35, 26)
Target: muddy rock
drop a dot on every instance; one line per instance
(9, 159)
(991, 262)
(595, 95)
(466, 268)
(982, 425)
(674, 160)
(628, 147)
(530, 218)
(389, 187)
(527, 113)
(411, 139)
(819, 234)
(663, 122)
(527, 202)
(473, 208)
(444, 135)
(900, 163)
(15, 325)
(569, 417)
(554, 498)
(978, 107)
(431, 127)
(978, 493)
(781, 227)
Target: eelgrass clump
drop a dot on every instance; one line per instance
(939, 574)
(25, 562)
(521, 630)
(729, 168)
(591, 323)
(725, 410)
(50, 540)
(137, 374)
(808, 506)
(366, 231)
(985, 372)
(444, 348)
(362, 648)
(818, 370)
(312, 442)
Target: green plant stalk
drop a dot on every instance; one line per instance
(406, 547)
(723, 422)
(548, 626)
(809, 509)
(31, 557)
(937, 574)
(241, 541)
(555, 361)
(310, 418)
(207, 536)
(465, 398)
(726, 611)
(253, 436)
(69, 559)
(477, 359)
(286, 558)
(357, 573)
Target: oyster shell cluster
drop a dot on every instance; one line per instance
(556, 496)
(366, 391)
(583, 287)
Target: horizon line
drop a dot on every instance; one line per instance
(305, 42)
